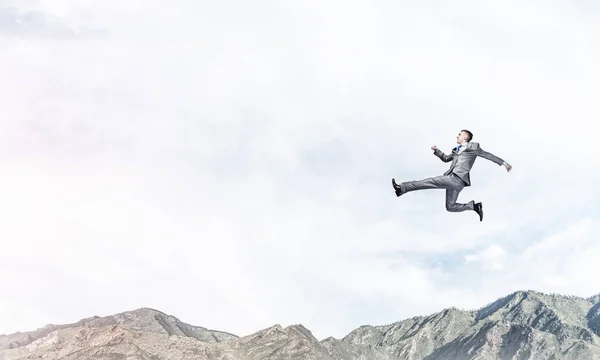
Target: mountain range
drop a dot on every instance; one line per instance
(522, 325)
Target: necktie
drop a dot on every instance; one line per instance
(458, 148)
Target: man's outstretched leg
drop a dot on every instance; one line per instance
(437, 182)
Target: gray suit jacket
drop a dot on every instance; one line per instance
(463, 162)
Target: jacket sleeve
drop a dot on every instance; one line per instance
(442, 156)
(489, 156)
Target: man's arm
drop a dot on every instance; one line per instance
(437, 152)
(489, 156)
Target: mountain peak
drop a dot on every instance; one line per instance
(142, 319)
(567, 308)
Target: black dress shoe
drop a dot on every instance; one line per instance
(396, 187)
(479, 210)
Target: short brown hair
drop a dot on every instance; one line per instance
(470, 135)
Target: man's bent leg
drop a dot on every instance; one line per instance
(453, 206)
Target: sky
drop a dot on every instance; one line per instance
(230, 163)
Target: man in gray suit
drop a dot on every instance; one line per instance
(457, 177)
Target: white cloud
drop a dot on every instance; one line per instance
(233, 167)
(491, 258)
(565, 261)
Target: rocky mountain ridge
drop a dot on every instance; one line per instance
(522, 325)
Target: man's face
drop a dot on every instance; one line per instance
(462, 137)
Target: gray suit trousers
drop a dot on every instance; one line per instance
(453, 185)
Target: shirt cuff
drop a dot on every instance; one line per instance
(505, 163)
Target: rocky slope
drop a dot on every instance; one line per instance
(522, 325)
